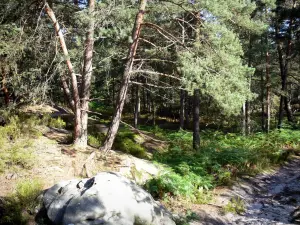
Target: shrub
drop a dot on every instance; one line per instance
(57, 123)
(236, 206)
(96, 140)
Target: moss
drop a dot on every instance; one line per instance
(127, 145)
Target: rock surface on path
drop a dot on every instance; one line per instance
(270, 199)
(107, 198)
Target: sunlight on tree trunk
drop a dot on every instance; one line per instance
(113, 129)
(81, 140)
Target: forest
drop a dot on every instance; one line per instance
(186, 98)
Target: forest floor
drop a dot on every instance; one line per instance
(269, 198)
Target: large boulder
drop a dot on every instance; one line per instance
(107, 198)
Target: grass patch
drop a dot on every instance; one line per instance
(17, 208)
(235, 206)
(15, 142)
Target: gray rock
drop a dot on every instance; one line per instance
(107, 198)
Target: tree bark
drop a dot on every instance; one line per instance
(67, 92)
(248, 118)
(81, 140)
(244, 119)
(137, 105)
(153, 110)
(77, 127)
(196, 120)
(187, 110)
(284, 64)
(182, 102)
(268, 97)
(113, 129)
(4, 88)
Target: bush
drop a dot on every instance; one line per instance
(57, 123)
(96, 140)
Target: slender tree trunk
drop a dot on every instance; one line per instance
(182, 102)
(244, 119)
(4, 88)
(113, 129)
(248, 118)
(187, 110)
(67, 92)
(77, 111)
(262, 83)
(263, 118)
(288, 109)
(284, 64)
(196, 120)
(153, 111)
(113, 92)
(137, 105)
(81, 140)
(268, 97)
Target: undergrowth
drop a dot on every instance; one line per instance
(15, 144)
(221, 158)
(17, 207)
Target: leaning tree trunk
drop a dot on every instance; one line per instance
(81, 140)
(113, 129)
(196, 120)
(76, 99)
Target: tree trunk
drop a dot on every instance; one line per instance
(77, 126)
(4, 88)
(284, 64)
(182, 102)
(268, 103)
(153, 110)
(263, 118)
(248, 119)
(67, 92)
(137, 105)
(187, 110)
(81, 140)
(288, 109)
(113, 129)
(196, 120)
(244, 119)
